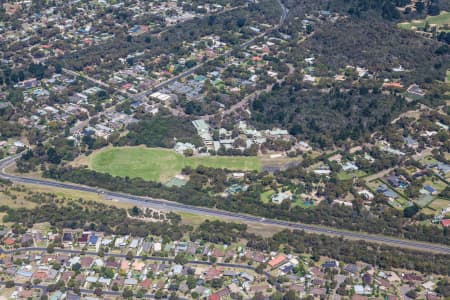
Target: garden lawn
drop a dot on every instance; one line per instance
(423, 200)
(157, 164)
(428, 160)
(266, 196)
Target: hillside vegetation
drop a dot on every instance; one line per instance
(364, 34)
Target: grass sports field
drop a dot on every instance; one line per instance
(441, 20)
(160, 164)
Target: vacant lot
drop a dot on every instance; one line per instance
(160, 164)
(349, 175)
(439, 204)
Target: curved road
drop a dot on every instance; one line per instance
(178, 207)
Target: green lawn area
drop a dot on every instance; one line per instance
(344, 176)
(428, 160)
(266, 196)
(301, 203)
(442, 19)
(423, 201)
(160, 164)
(402, 201)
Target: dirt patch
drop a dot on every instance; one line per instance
(263, 230)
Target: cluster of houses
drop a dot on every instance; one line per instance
(393, 187)
(147, 271)
(10, 147)
(178, 13)
(112, 122)
(137, 79)
(235, 76)
(143, 71)
(86, 27)
(220, 79)
(59, 110)
(247, 137)
(77, 105)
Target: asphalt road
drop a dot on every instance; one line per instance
(178, 207)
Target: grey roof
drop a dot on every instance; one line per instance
(73, 297)
(130, 281)
(390, 194)
(443, 167)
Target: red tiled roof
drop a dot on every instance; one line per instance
(445, 222)
(213, 273)
(277, 260)
(217, 253)
(392, 85)
(145, 284)
(8, 241)
(214, 297)
(65, 276)
(40, 275)
(80, 278)
(259, 288)
(86, 261)
(412, 277)
(25, 294)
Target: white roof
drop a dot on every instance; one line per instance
(91, 279)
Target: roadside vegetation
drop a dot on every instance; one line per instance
(63, 213)
(200, 192)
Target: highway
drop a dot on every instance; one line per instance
(178, 207)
